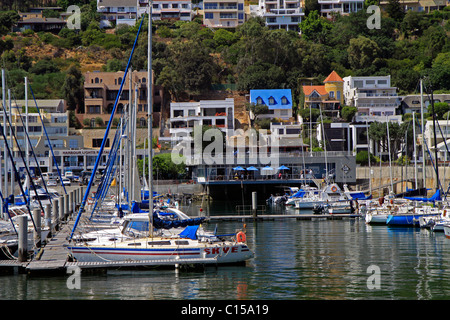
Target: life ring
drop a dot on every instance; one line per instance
(240, 237)
(333, 188)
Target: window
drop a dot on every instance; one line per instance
(209, 15)
(174, 5)
(284, 101)
(259, 100)
(97, 143)
(165, 6)
(382, 81)
(283, 113)
(271, 101)
(191, 112)
(155, 6)
(182, 243)
(331, 93)
(73, 143)
(338, 95)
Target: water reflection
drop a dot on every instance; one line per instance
(293, 260)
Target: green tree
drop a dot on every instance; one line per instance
(362, 52)
(440, 71)
(395, 10)
(315, 27)
(348, 112)
(7, 20)
(73, 89)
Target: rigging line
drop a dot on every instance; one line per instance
(25, 164)
(16, 173)
(102, 147)
(32, 149)
(48, 140)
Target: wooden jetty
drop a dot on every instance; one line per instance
(52, 257)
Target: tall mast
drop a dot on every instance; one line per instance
(150, 119)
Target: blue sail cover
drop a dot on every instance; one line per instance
(435, 197)
(360, 196)
(168, 224)
(190, 232)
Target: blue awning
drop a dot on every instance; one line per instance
(283, 168)
(252, 169)
(267, 168)
(238, 168)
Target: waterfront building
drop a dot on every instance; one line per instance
(56, 122)
(101, 89)
(411, 102)
(442, 130)
(279, 102)
(128, 11)
(372, 96)
(343, 7)
(223, 13)
(184, 116)
(282, 14)
(328, 97)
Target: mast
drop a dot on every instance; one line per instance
(423, 136)
(435, 141)
(389, 153)
(368, 157)
(415, 151)
(5, 157)
(150, 119)
(27, 147)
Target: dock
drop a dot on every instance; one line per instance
(51, 256)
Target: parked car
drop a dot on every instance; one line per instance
(66, 181)
(51, 182)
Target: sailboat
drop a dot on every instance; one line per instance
(156, 247)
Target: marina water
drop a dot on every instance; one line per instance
(294, 259)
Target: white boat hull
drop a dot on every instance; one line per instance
(222, 253)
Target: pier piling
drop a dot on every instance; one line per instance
(23, 241)
(55, 214)
(254, 204)
(37, 232)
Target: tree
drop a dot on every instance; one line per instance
(395, 10)
(440, 71)
(257, 110)
(7, 20)
(73, 88)
(362, 52)
(348, 112)
(315, 27)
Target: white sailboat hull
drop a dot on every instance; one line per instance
(230, 252)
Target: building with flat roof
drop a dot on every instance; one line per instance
(101, 89)
(282, 14)
(223, 13)
(343, 7)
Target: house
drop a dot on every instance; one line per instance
(328, 97)
(223, 14)
(412, 103)
(42, 24)
(419, 5)
(279, 102)
(282, 14)
(128, 11)
(372, 95)
(101, 89)
(343, 7)
(184, 116)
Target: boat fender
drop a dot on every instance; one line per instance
(240, 237)
(445, 213)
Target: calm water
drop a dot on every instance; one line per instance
(293, 260)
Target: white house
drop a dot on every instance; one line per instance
(280, 14)
(373, 96)
(327, 7)
(184, 116)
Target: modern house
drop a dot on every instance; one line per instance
(184, 116)
(412, 103)
(223, 13)
(328, 97)
(329, 7)
(282, 14)
(279, 102)
(373, 96)
(128, 11)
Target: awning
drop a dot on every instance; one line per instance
(267, 168)
(283, 168)
(252, 169)
(238, 168)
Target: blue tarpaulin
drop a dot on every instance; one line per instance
(435, 197)
(190, 232)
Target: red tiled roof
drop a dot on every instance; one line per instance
(333, 77)
(307, 90)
